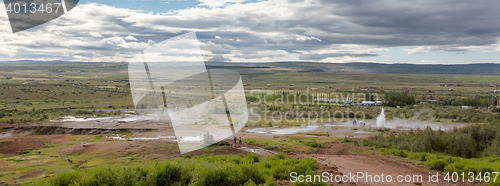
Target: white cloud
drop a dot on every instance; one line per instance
(151, 42)
(131, 38)
(218, 3)
(95, 34)
(303, 38)
(420, 49)
(428, 61)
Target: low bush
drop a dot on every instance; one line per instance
(346, 140)
(272, 147)
(221, 143)
(436, 164)
(468, 142)
(253, 158)
(197, 170)
(318, 134)
(312, 144)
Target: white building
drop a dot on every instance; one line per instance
(371, 103)
(336, 100)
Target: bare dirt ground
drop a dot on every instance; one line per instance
(114, 123)
(13, 146)
(250, 149)
(337, 156)
(335, 148)
(161, 149)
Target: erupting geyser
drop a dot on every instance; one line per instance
(381, 119)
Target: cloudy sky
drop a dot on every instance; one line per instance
(336, 31)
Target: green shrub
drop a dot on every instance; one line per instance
(418, 156)
(467, 142)
(389, 151)
(272, 147)
(250, 183)
(401, 153)
(221, 143)
(345, 140)
(157, 174)
(281, 156)
(313, 144)
(452, 164)
(253, 158)
(455, 167)
(436, 164)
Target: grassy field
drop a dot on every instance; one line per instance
(35, 87)
(33, 93)
(287, 144)
(44, 156)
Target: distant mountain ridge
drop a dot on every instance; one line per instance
(466, 69)
(304, 67)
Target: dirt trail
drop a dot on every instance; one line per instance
(375, 165)
(249, 148)
(337, 155)
(336, 158)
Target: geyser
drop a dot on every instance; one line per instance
(381, 119)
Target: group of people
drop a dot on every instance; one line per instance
(236, 139)
(363, 124)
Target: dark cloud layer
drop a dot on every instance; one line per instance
(266, 30)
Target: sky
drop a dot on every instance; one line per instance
(340, 31)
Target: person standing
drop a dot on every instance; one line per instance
(234, 139)
(240, 139)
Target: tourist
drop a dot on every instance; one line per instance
(234, 139)
(240, 139)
